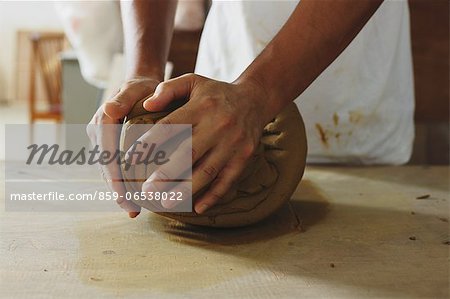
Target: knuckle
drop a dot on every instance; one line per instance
(227, 121)
(215, 196)
(165, 126)
(134, 82)
(127, 85)
(162, 87)
(183, 112)
(210, 171)
(116, 92)
(136, 87)
(165, 121)
(189, 76)
(238, 136)
(209, 102)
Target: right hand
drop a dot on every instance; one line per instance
(112, 112)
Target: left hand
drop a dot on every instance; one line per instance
(104, 130)
(227, 122)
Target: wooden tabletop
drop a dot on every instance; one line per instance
(348, 232)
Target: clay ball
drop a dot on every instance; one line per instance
(268, 181)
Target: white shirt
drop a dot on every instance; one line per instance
(360, 109)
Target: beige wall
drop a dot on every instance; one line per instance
(18, 15)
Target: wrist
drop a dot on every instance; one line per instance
(259, 93)
(154, 73)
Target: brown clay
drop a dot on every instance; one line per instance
(268, 181)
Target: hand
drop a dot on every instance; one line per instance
(111, 114)
(227, 123)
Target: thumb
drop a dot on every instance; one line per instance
(132, 91)
(169, 91)
(115, 108)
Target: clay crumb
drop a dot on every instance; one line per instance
(109, 252)
(443, 219)
(332, 265)
(95, 279)
(423, 196)
(412, 238)
(45, 270)
(446, 242)
(413, 213)
(291, 243)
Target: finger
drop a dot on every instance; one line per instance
(91, 132)
(119, 106)
(208, 169)
(92, 126)
(166, 129)
(107, 139)
(133, 91)
(171, 90)
(219, 187)
(155, 138)
(178, 195)
(110, 175)
(127, 205)
(178, 167)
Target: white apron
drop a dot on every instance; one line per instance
(360, 109)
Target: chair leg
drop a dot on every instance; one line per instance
(32, 95)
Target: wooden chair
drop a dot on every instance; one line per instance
(46, 63)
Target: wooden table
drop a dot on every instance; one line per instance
(348, 232)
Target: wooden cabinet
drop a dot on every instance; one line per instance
(430, 46)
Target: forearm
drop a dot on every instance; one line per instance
(148, 28)
(315, 34)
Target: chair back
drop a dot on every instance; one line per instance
(46, 48)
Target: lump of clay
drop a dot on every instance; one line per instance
(267, 183)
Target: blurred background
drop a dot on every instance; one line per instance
(60, 60)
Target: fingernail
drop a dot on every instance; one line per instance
(202, 208)
(168, 204)
(133, 214)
